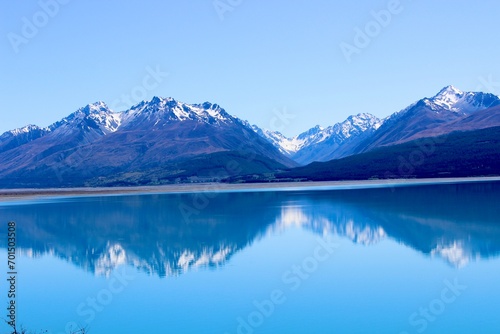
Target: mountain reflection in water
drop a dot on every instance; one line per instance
(169, 234)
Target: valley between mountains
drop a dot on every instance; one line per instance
(164, 141)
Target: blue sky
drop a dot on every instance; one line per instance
(254, 58)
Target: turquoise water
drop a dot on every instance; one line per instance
(419, 259)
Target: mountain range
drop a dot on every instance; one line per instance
(95, 145)
(427, 117)
(167, 141)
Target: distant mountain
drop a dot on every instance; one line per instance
(426, 116)
(283, 144)
(363, 132)
(452, 99)
(14, 138)
(94, 145)
(167, 141)
(457, 154)
(482, 119)
(88, 124)
(339, 140)
(323, 144)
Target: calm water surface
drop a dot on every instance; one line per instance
(419, 259)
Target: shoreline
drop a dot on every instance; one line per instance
(9, 195)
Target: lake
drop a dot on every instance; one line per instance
(405, 259)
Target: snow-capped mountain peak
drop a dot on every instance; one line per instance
(94, 108)
(23, 130)
(158, 99)
(453, 99)
(450, 90)
(285, 145)
(314, 131)
(20, 136)
(448, 98)
(213, 110)
(160, 111)
(95, 116)
(356, 124)
(311, 139)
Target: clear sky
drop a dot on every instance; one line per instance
(254, 58)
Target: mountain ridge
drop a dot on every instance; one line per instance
(344, 139)
(165, 140)
(456, 154)
(96, 142)
(449, 105)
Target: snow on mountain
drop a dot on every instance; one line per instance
(311, 137)
(99, 117)
(14, 138)
(26, 129)
(355, 125)
(318, 136)
(453, 99)
(427, 115)
(349, 137)
(285, 145)
(95, 116)
(358, 133)
(95, 141)
(448, 104)
(161, 111)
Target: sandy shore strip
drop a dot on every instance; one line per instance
(27, 194)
